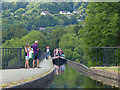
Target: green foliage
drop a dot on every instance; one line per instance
(30, 38)
(71, 45)
(68, 43)
(100, 28)
(73, 20)
(14, 22)
(33, 19)
(14, 62)
(57, 33)
(20, 10)
(14, 32)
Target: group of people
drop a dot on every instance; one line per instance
(35, 54)
(57, 52)
(35, 49)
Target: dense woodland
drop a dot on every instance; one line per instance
(100, 27)
(26, 16)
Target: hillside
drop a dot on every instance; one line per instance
(99, 29)
(27, 16)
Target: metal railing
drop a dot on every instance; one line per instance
(101, 56)
(105, 56)
(15, 57)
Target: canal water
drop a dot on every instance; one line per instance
(71, 78)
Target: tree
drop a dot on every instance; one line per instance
(20, 11)
(67, 44)
(73, 20)
(29, 38)
(101, 27)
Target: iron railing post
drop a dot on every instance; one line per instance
(3, 58)
(8, 56)
(103, 58)
(96, 56)
(20, 56)
(0, 58)
(117, 56)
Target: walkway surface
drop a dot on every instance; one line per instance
(13, 75)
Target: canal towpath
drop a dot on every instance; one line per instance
(15, 75)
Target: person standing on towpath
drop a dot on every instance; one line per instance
(35, 54)
(27, 55)
(47, 51)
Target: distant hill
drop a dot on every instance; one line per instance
(27, 16)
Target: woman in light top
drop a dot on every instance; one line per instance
(27, 49)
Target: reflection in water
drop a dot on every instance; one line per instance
(59, 64)
(66, 77)
(59, 69)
